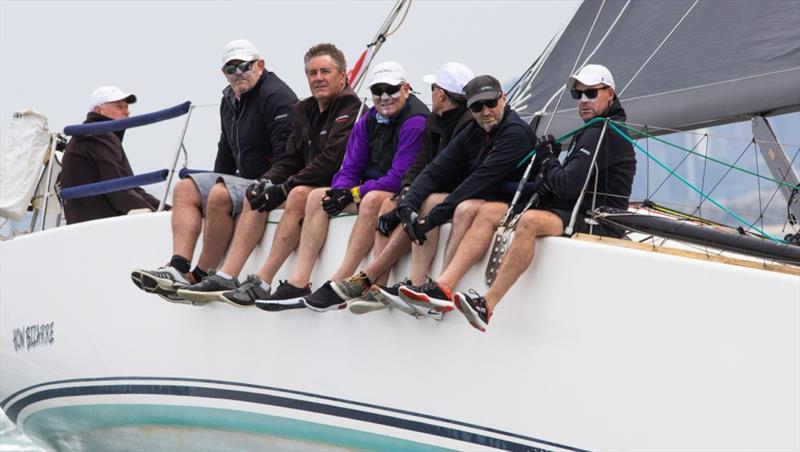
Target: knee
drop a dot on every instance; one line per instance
(527, 226)
(296, 200)
(314, 200)
(467, 210)
(186, 192)
(371, 203)
(387, 205)
(218, 198)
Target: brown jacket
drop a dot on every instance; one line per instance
(315, 148)
(96, 158)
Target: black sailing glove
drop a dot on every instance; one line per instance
(255, 193)
(414, 226)
(540, 186)
(275, 195)
(546, 149)
(388, 222)
(336, 201)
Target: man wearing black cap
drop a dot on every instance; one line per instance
(483, 156)
(559, 185)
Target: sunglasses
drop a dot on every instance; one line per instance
(378, 90)
(591, 93)
(477, 107)
(245, 66)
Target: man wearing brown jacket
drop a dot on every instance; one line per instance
(95, 158)
(321, 125)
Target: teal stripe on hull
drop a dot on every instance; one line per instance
(83, 425)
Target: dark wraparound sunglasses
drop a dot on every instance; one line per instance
(245, 66)
(379, 89)
(591, 93)
(477, 107)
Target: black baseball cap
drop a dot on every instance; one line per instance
(482, 87)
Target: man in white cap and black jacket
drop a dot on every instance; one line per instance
(559, 184)
(95, 158)
(255, 117)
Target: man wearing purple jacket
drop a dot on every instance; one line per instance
(382, 146)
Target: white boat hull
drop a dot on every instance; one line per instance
(596, 347)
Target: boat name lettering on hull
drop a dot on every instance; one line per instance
(33, 336)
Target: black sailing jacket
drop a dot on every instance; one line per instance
(254, 128)
(472, 165)
(616, 165)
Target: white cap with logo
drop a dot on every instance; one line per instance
(591, 75)
(239, 49)
(389, 72)
(451, 77)
(105, 94)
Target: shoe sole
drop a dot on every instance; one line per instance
(389, 301)
(202, 297)
(424, 301)
(472, 316)
(149, 279)
(148, 284)
(365, 307)
(334, 307)
(280, 305)
(235, 303)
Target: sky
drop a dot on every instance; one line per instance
(53, 54)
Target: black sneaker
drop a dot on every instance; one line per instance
(246, 294)
(209, 289)
(473, 306)
(325, 299)
(430, 296)
(286, 296)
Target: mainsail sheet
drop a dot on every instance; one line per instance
(713, 62)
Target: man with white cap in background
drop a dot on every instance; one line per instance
(450, 116)
(95, 158)
(559, 185)
(255, 118)
(383, 144)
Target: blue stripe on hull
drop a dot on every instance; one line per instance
(79, 425)
(287, 401)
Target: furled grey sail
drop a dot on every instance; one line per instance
(680, 64)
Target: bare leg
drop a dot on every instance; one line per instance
(312, 238)
(476, 242)
(422, 256)
(287, 234)
(462, 220)
(534, 223)
(249, 230)
(362, 234)
(218, 227)
(383, 258)
(187, 218)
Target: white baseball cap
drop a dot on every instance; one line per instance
(239, 49)
(451, 77)
(105, 94)
(389, 72)
(591, 75)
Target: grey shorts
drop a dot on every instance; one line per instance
(236, 188)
